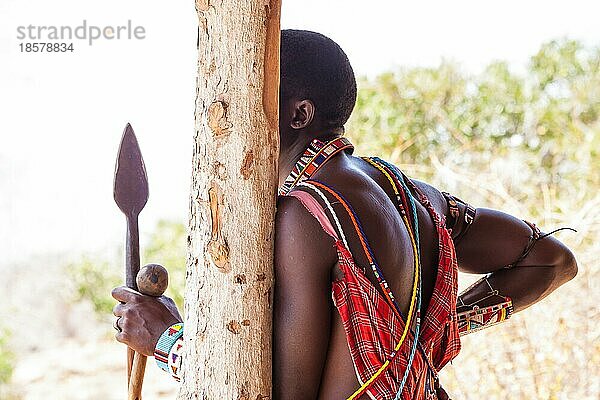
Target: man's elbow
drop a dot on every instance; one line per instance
(566, 264)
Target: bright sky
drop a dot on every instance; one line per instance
(63, 114)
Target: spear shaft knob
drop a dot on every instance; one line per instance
(152, 280)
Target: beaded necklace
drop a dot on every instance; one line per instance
(313, 158)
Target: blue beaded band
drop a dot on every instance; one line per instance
(165, 343)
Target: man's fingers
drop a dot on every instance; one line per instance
(124, 294)
(118, 310)
(122, 337)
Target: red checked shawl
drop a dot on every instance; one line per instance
(372, 328)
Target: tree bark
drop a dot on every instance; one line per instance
(229, 280)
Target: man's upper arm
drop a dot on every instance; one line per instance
(496, 239)
(304, 255)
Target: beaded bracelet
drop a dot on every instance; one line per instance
(175, 359)
(469, 216)
(480, 318)
(165, 344)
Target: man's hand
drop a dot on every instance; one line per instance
(142, 319)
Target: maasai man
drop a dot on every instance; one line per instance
(366, 259)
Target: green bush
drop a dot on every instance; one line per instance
(168, 247)
(92, 280)
(547, 119)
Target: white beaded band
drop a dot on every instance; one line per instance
(166, 342)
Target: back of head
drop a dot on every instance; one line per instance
(315, 68)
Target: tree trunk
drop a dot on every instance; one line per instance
(229, 280)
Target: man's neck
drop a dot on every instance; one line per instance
(289, 156)
(290, 153)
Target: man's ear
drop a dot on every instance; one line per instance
(303, 115)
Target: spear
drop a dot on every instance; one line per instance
(131, 195)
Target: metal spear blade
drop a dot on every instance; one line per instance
(131, 195)
(131, 181)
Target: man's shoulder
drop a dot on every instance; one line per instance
(294, 219)
(299, 238)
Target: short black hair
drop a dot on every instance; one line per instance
(314, 67)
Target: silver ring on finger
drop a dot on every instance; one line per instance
(116, 325)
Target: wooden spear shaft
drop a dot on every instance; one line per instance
(136, 362)
(132, 263)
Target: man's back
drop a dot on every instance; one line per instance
(370, 195)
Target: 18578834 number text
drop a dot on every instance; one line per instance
(42, 47)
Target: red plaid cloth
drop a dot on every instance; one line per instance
(372, 328)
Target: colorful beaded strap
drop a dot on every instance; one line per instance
(314, 157)
(330, 208)
(396, 180)
(382, 283)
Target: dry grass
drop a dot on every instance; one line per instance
(551, 350)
